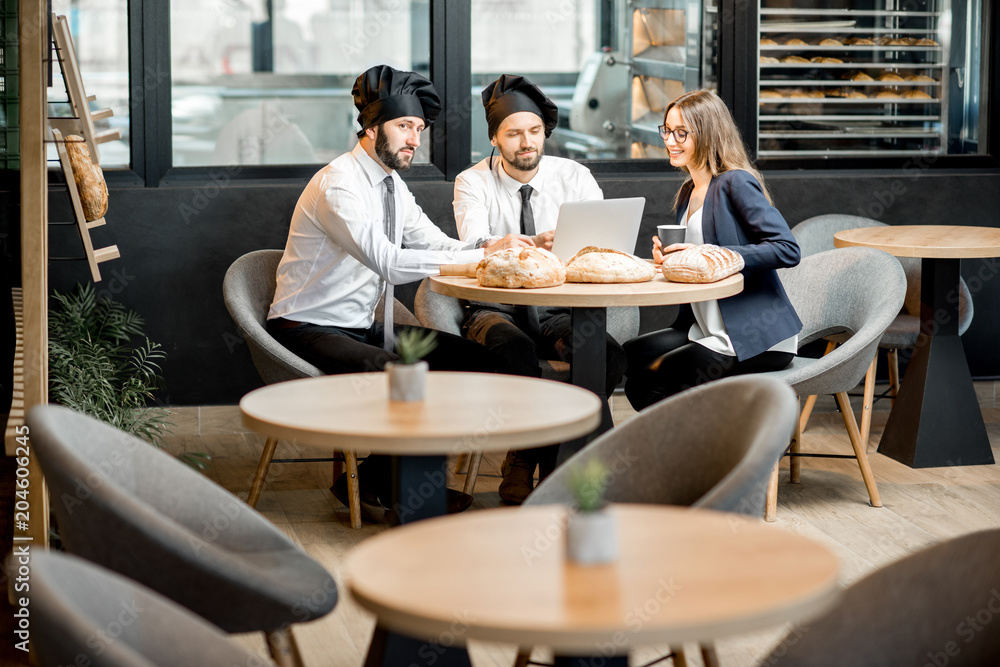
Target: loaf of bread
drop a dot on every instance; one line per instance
(794, 59)
(701, 264)
(764, 41)
(860, 41)
(823, 60)
(89, 179)
(917, 95)
(889, 76)
(601, 265)
(829, 41)
(887, 93)
(847, 93)
(795, 41)
(857, 76)
(925, 42)
(922, 78)
(521, 267)
(768, 60)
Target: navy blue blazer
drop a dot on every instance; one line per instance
(737, 215)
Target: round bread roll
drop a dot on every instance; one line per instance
(917, 95)
(922, 78)
(830, 41)
(900, 41)
(701, 264)
(89, 179)
(889, 76)
(521, 267)
(795, 41)
(794, 59)
(601, 265)
(858, 76)
(764, 41)
(887, 93)
(925, 42)
(768, 60)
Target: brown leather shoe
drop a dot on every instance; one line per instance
(518, 474)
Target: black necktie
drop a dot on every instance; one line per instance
(389, 215)
(527, 217)
(528, 229)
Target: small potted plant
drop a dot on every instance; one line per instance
(408, 376)
(591, 533)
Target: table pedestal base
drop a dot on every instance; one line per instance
(590, 333)
(419, 487)
(389, 649)
(936, 420)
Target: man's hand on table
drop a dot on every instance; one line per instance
(543, 240)
(508, 241)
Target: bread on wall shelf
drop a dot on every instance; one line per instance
(88, 193)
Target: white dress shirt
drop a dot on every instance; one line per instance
(708, 329)
(337, 258)
(488, 201)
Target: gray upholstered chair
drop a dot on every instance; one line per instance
(248, 290)
(833, 294)
(815, 235)
(85, 614)
(928, 608)
(679, 452)
(445, 313)
(124, 504)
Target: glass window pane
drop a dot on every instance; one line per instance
(857, 78)
(100, 35)
(253, 88)
(610, 65)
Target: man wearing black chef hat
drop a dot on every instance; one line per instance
(520, 192)
(355, 232)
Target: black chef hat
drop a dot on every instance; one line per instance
(383, 93)
(510, 94)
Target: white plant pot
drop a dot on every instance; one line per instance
(407, 381)
(592, 537)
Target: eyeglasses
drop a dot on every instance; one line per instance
(680, 136)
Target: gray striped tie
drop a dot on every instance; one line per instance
(528, 228)
(389, 214)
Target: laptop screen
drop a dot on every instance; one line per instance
(606, 223)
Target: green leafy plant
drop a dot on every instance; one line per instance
(95, 369)
(588, 483)
(412, 345)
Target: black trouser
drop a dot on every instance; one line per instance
(517, 352)
(335, 350)
(665, 362)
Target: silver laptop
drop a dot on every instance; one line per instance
(607, 223)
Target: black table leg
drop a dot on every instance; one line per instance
(419, 487)
(591, 661)
(390, 649)
(589, 369)
(936, 420)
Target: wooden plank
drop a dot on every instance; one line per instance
(16, 416)
(78, 99)
(74, 196)
(34, 46)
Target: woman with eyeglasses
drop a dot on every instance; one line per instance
(723, 202)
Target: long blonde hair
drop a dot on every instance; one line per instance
(718, 144)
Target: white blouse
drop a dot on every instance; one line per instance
(708, 329)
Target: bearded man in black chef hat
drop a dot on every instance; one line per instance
(520, 192)
(346, 250)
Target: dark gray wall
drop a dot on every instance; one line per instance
(177, 241)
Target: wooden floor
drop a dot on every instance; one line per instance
(921, 507)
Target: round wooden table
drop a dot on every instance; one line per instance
(501, 575)
(463, 413)
(936, 420)
(589, 303)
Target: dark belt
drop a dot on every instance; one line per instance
(282, 323)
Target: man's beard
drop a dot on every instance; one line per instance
(520, 163)
(391, 159)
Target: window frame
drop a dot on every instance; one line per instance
(450, 137)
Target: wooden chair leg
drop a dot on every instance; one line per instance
(283, 648)
(866, 405)
(709, 656)
(461, 463)
(353, 489)
(771, 507)
(475, 459)
(680, 659)
(262, 467)
(811, 400)
(894, 374)
(522, 658)
(794, 462)
(859, 448)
